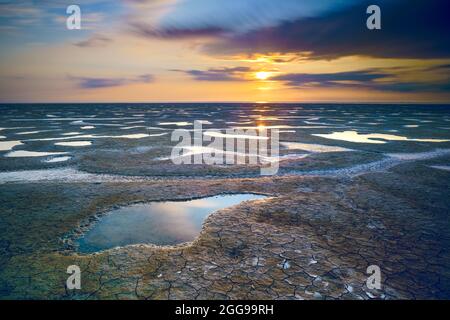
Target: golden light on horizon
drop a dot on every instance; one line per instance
(262, 75)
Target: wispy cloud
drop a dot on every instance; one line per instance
(373, 79)
(95, 83)
(326, 29)
(96, 40)
(149, 31)
(219, 74)
(31, 16)
(332, 79)
(342, 32)
(234, 16)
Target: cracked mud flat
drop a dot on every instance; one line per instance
(313, 239)
(326, 219)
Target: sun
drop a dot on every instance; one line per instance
(262, 75)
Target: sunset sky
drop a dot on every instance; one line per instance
(224, 50)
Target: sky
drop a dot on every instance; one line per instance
(224, 50)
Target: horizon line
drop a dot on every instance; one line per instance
(232, 102)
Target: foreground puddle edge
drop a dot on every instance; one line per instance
(164, 224)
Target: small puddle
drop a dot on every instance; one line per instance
(158, 223)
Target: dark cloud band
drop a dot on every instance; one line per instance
(95, 83)
(410, 29)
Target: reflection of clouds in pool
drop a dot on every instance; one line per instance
(157, 128)
(26, 154)
(313, 147)
(16, 128)
(283, 127)
(72, 119)
(178, 124)
(418, 120)
(71, 133)
(216, 134)
(74, 143)
(134, 136)
(132, 127)
(445, 168)
(239, 123)
(318, 123)
(92, 136)
(338, 120)
(57, 159)
(205, 122)
(34, 132)
(175, 221)
(160, 223)
(81, 122)
(375, 138)
(201, 203)
(135, 122)
(265, 118)
(104, 124)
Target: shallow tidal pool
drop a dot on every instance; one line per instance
(158, 223)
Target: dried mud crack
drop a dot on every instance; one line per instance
(312, 239)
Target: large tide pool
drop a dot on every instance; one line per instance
(157, 223)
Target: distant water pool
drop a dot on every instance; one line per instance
(159, 223)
